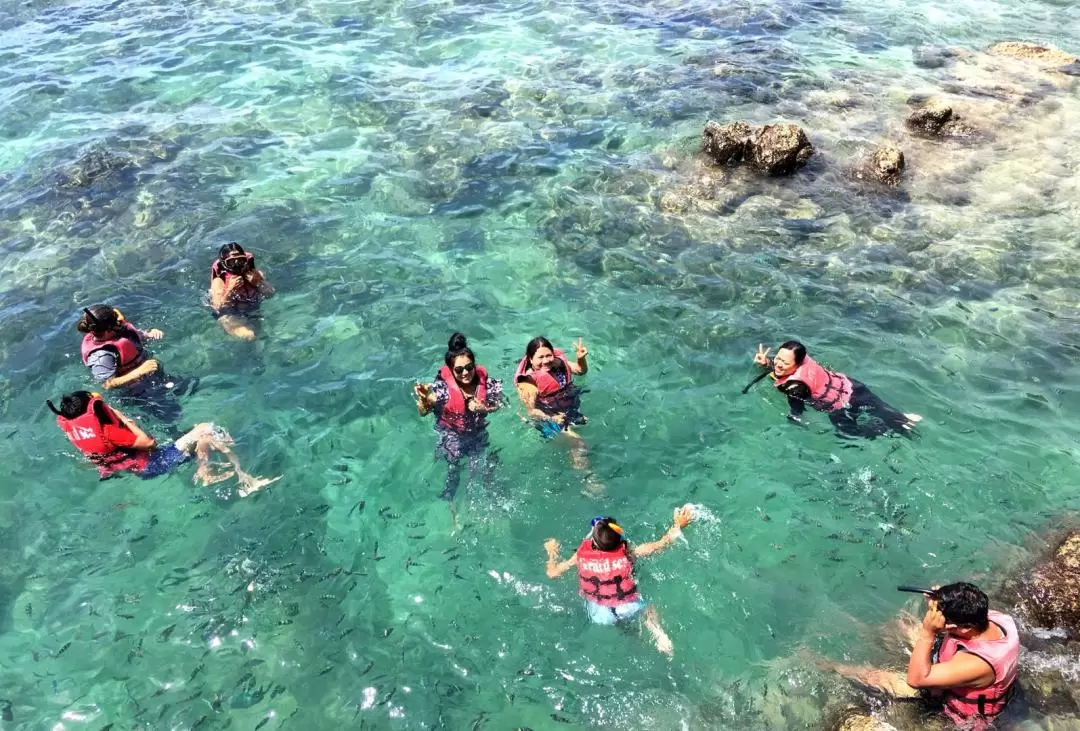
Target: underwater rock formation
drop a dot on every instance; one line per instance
(885, 165)
(1049, 596)
(1032, 52)
(93, 166)
(774, 149)
(935, 118)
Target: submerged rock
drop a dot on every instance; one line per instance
(779, 149)
(885, 165)
(92, 167)
(935, 118)
(859, 720)
(1032, 52)
(775, 149)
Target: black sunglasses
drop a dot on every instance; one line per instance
(465, 368)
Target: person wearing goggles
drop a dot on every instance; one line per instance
(605, 564)
(237, 288)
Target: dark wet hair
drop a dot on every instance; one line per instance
(98, 319)
(457, 347)
(797, 348)
(535, 344)
(72, 405)
(230, 248)
(964, 605)
(604, 537)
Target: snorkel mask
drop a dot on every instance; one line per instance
(235, 264)
(598, 520)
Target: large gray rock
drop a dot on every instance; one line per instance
(779, 149)
(884, 165)
(775, 149)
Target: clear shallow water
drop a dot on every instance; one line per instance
(402, 170)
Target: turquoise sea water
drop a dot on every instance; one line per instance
(406, 169)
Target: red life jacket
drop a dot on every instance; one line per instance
(453, 412)
(829, 390)
(974, 708)
(605, 577)
(86, 432)
(127, 343)
(246, 293)
(551, 398)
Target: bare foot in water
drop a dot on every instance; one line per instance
(206, 476)
(912, 420)
(660, 637)
(250, 483)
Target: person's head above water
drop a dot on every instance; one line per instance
(460, 359)
(540, 353)
(789, 357)
(72, 405)
(965, 608)
(99, 319)
(233, 258)
(607, 535)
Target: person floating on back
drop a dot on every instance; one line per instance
(605, 564)
(545, 384)
(237, 288)
(462, 396)
(115, 444)
(115, 352)
(804, 381)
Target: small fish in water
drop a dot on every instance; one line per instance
(387, 632)
(200, 722)
(166, 633)
(358, 506)
(417, 537)
(106, 727)
(367, 670)
(125, 616)
(763, 514)
(325, 670)
(559, 719)
(29, 610)
(377, 556)
(416, 524)
(322, 509)
(266, 720)
(62, 650)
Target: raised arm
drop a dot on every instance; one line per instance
(555, 567)
(683, 517)
(581, 367)
(963, 670)
(425, 398)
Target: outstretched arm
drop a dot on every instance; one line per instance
(425, 398)
(555, 567)
(683, 516)
(581, 367)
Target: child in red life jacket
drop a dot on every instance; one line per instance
(237, 288)
(605, 563)
(804, 381)
(462, 396)
(115, 444)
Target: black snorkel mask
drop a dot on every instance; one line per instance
(235, 265)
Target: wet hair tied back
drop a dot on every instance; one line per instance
(457, 347)
(97, 318)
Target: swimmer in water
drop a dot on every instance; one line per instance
(461, 396)
(115, 444)
(803, 381)
(605, 564)
(545, 384)
(237, 288)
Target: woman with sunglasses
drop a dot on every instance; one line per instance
(605, 564)
(461, 396)
(236, 290)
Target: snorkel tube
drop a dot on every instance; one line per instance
(759, 377)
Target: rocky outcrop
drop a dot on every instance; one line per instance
(1047, 55)
(884, 165)
(937, 119)
(774, 149)
(1049, 596)
(855, 719)
(92, 167)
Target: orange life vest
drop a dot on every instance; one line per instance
(606, 577)
(551, 398)
(974, 708)
(87, 433)
(829, 390)
(453, 412)
(127, 343)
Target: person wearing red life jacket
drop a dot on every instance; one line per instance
(544, 380)
(115, 352)
(115, 444)
(237, 288)
(605, 564)
(462, 395)
(964, 660)
(804, 381)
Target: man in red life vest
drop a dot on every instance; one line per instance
(605, 563)
(804, 381)
(965, 655)
(115, 444)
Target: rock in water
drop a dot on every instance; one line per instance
(864, 723)
(1050, 594)
(937, 119)
(887, 164)
(726, 143)
(779, 149)
(1032, 52)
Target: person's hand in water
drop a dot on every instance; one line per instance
(552, 547)
(154, 334)
(761, 357)
(422, 391)
(559, 419)
(684, 516)
(250, 483)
